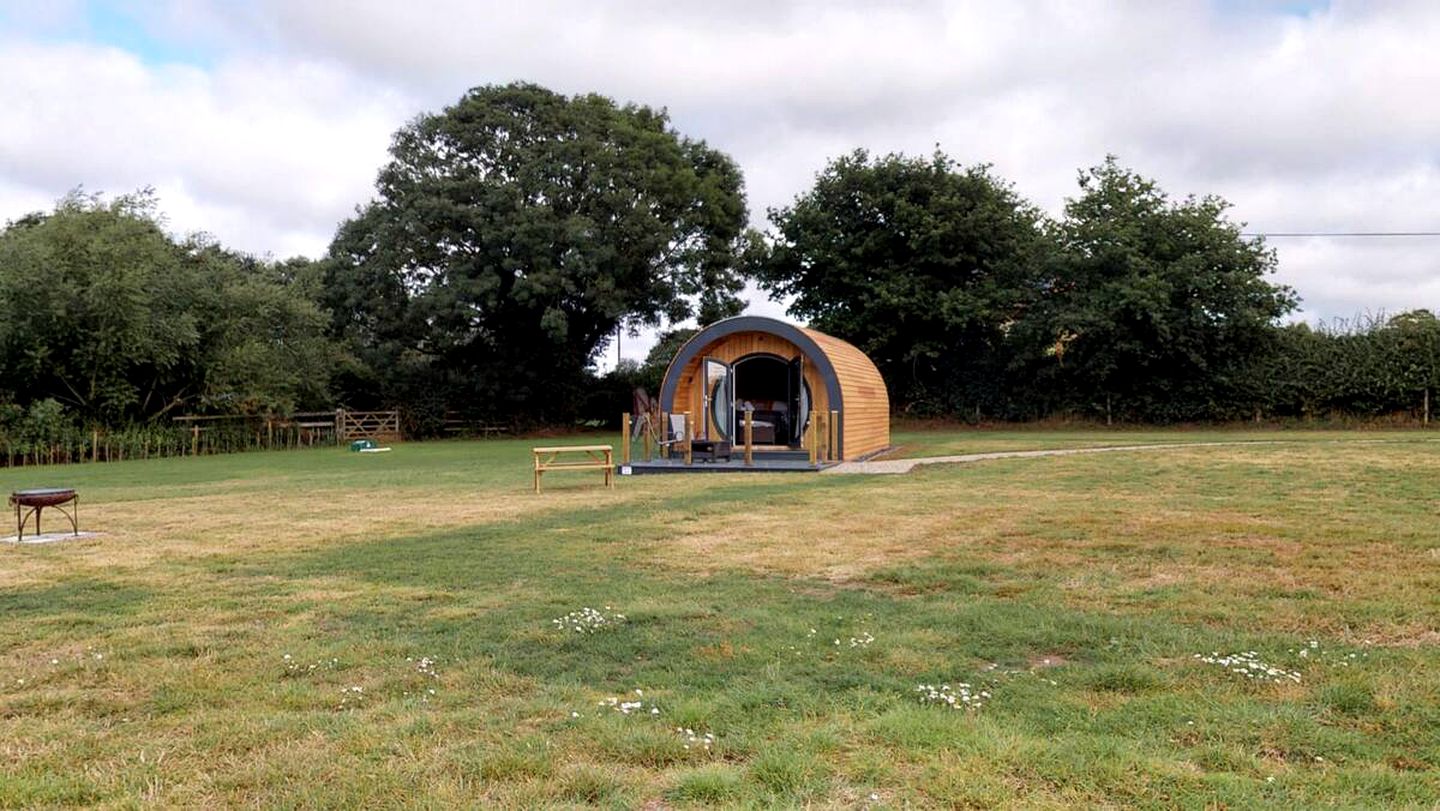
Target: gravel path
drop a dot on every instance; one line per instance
(893, 466)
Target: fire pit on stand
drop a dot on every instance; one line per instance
(32, 502)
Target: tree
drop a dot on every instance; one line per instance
(651, 373)
(94, 306)
(921, 263)
(101, 310)
(518, 229)
(262, 347)
(1152, 306)
(1415, 336)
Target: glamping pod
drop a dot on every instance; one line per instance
(799, 386)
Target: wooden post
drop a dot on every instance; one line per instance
(817, 419)
(685, 437)
(648, 437)
(749, 438)
(625, 438)
(810, 439)
(667, 441)
(834, 435)
(194, 439)
(95, 445)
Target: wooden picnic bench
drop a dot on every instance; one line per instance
(596, 457)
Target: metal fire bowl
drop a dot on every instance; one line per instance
(48, 497)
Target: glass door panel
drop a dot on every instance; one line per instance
(719, 400)
(799, 406)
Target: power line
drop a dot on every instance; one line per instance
(1269, 234)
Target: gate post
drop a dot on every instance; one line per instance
(834, 434)
(749, 438)
(810, 437)
(625, 438)
(685, 437)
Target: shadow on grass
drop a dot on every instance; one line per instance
(76, 602)
(493, 590)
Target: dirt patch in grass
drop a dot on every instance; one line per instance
(143, 534)
(825, 533)
(1412, 636)
(1285, 533)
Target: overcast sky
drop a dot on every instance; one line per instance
(265, 122)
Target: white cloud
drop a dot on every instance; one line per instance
(1305, 121)
(267, 155)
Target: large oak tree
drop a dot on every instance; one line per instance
(516, 230)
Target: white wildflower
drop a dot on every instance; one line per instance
(627, 707)
(587, 621)
(1249, 665)
(690, 737)
(962, 696)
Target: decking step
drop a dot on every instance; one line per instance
(795, 455)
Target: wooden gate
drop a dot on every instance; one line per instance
(381, 426)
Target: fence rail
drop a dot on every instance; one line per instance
(202, 435)
(457, 425)
(381, 426)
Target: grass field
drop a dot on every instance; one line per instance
(325, 629)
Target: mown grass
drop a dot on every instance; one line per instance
(149, 665)
(918, 439)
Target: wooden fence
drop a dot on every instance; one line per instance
(458, 425)
(203, 435)
(217, 434)
(381, 426)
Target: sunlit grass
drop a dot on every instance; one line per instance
(922, 439)
(329, 629)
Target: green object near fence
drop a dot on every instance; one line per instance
(361, 444)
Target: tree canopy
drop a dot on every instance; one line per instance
(921, 263)
(105, 313)
(518, 228)
(1150, 304)
(516, 231)
(972, 302)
